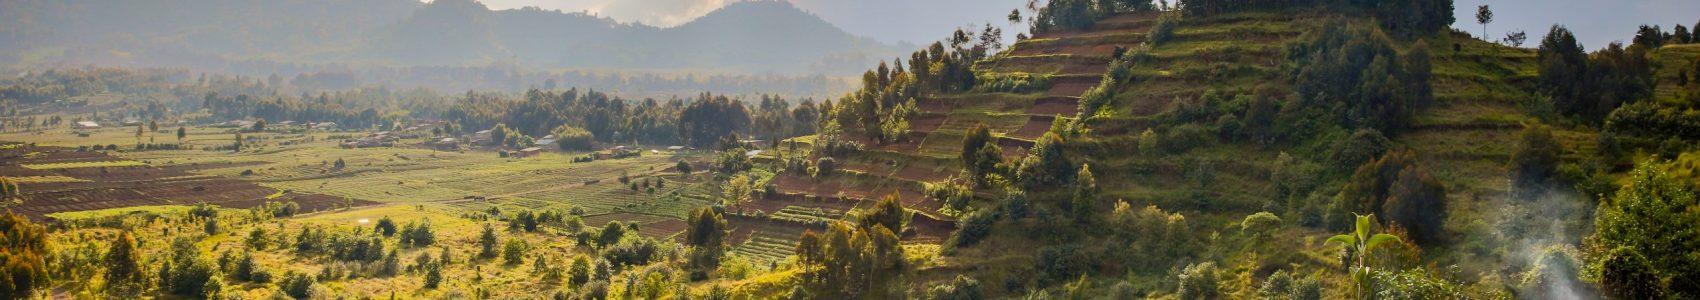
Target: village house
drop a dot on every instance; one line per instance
(528, 152)
(85, 125)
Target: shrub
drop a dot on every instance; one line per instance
(1164, 29)
(296, 284)
(573, 138)
(1198, 281)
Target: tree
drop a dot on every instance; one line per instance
(683, 167)
(977, 136)
(1417, 202)
(238, 146)
(1085, 195)
(706, 235)
(181, 133)
(9, 189)
(1646, 233)
(736, 191)
(573, 138)
(1484, 16)
(513, 253)
(433, 276)
(385, 227)
(487, 242)
(124, 274)
(1534, 162)
(154, 125)
(22, 254)
(499, 134)
(1681, 35)
(1516, 38)
(1359, 243)
(259, 125)
(888, 213)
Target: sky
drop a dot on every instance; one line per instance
(1595, 22)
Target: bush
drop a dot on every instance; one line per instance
(573, 138)
(961, 288)
(972, 228)
(1165, 28)
(298, 285)
(1198, 281)
(1534, 162)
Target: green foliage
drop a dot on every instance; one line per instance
(1151, 238)
(1045, 164)
(1534, 163)
(1360, 69)
(1281, 285)
(1363, 146)
(187, 271)
(710, 118)
(1413, 284)
(1199, 282)
(513, 253)
(611, 233)
(487, 242)
(1398, 187)
(1407, 18)
(1019, 83)
(1084, 204)
(683, 167)
(124, 273)
(706, 234)
(961, 288)
(1359, 244)
(1588, 87)
(1164, 29)
(887, 213)
(418, 235)
(297, 284)
(849, 261)
(1653, 120)
(1260, 224)
(568, 137)
(433, 276)
(385, 226)
(1645, 235)
(972, 228)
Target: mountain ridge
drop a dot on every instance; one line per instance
(453, 33)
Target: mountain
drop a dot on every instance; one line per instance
(749, 37)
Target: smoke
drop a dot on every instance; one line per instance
(1541, 235)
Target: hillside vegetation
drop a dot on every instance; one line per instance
(1115, 150)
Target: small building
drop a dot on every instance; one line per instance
(480, 137)
(675, 148)
(754, 144)
(326, 126)
(446, 144)
(548, 143)
(528, 152)
(85, 125)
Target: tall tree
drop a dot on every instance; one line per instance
(22, 253)
(1484, 16)
(124, 274)
(1647, 236)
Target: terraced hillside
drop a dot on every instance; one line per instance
(1070, 62)
(1480, 93)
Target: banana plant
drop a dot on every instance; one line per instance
(1361, 243)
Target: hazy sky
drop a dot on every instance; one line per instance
(1596, 22)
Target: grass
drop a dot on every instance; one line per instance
(84, 164)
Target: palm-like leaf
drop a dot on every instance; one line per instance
(1380, 238)
(1344, 239)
